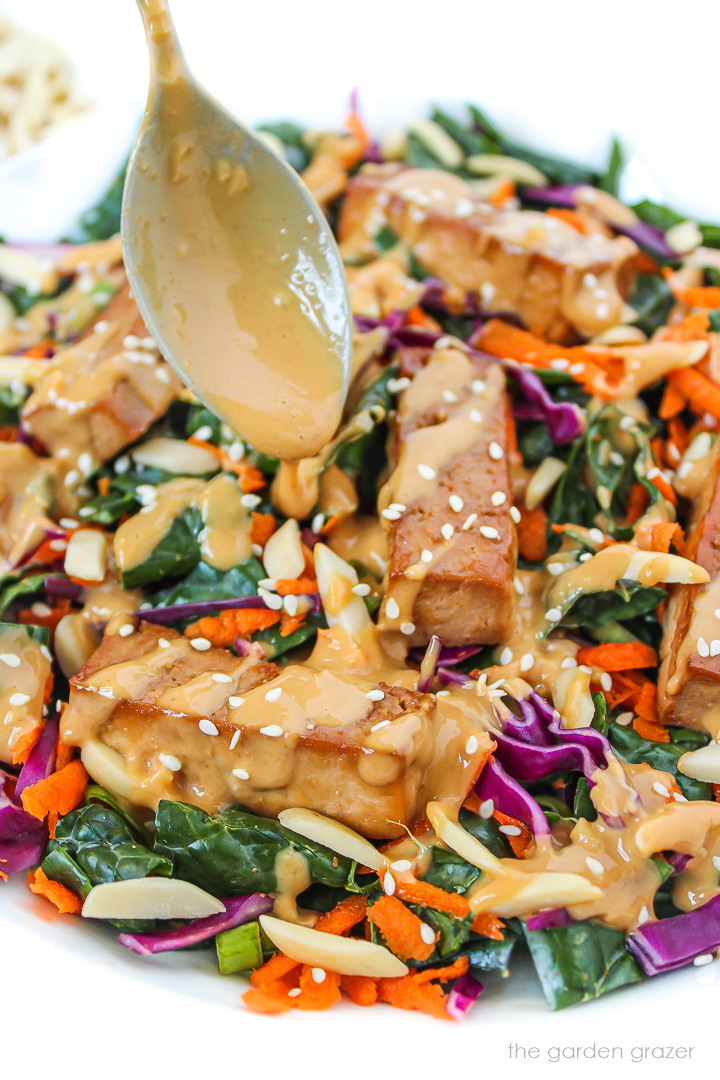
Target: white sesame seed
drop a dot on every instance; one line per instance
(560, 363)
(426, 472)
(643, 915)
(68, 523)
(407, 628)
(295, 992)
(624, 719)
(585, 668)
(715, 647)
(706, 958)
(208, 728)
(126, 630)
(39, 608)
(477, 386)
(585, 556)
(427, 934)
(221, 677)
(273, 731)
(273, 601)
(256, 550)
(390, 515)
(602, 311)
(594, 865)
(375, 695)
(498, 498)
(388, 883)
(10, 659)
(495, 451)
(702, 647)
(236, 451)
(170, 762)
(568, 662)
(716, 862)
(487, 809)
(510, 830)
(506, 656)
(489, 532)
(274, 694)
(400, 507)
(553, 614)
(250, 501)
(426, 556)
(660, 789)
(515, 514)
(456, 503)
(163, 643)
(318, 975)
(442, 693)
(596, 535)
(395, 386)
(679, 797)
(518, 585)
(526, 661)
(317, 522)
(235, 702)
(380, 725)
(447, 532)
(576, 369)
(242, 774)
(401, 865)
(469, 522)
(203, 434)
(19, 699)
(361, 590)
(606, 681)
(604, 496)
(476, 416)
(58, 545)
(449, 396)
(201, 644)
(392, 608)
(471, 745)
(235, 739)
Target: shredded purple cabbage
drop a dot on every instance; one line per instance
(57, 588)
(450, 655)
(565, 420)
(465, 992)
(23, 852)
(176, 612)
(649, 237)
(549, 920)
(672, 943)
(41, 759)
(238, 910)
(554, 195)
(510, 797)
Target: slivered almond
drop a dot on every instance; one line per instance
(542, 481)
(346, 956)
(336, 580)
(333, 835)
(684, 237)
(702, 764)
(176, 456)
(283, 556)
(27, 269)
(150, 898)
(502, 165)
(86, 555)
(572, 698)
(75, 641)
(460, 840)
(605, 205)
(524, 894)
(107, 768)
(437, 141)
(649, 567)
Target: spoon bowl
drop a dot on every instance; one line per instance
(232, 264)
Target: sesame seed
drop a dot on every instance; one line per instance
(170, 762)
(624, 719)
(401, 865)
(235, 739)
(426, 472)
(506, 656)
(495, 451)
(449, 396)
(515, 514)
(236, 451)
(604, 496)
(163, 643)
(526, 661)
(714, 647)
(274, 694)
(679, 797)
(407, 628)
(643, 915)
(447, 532)
(58, 545)
(576, 369)
(208, 728)
(221, 677)
(456, 503)
(616, 458)
(561, 363)
(518, 586)
(392, 608)
(477, 386)
(594, 865)
(469, 521)
(204, 433)
(10, 659)
(627, 422)
(702, 647)
(295, 992)
(242, 774)
(596, 535)
(498, 498)
(443, 693)
(126, 630)
(426, 556)
(705, 958)
(511, 830)
(273, 731)
(716, 862)
(489, 532)
(68, 523)
(660, 789)
(606, 681)
(375, 695)
(585, 556)
(388, 883)
(200, 643)
(476, 416)
(395, 386)
(250, 501)
(235, 702)
(39, 608)
(290, 603)
(568, 662)
(19, 699)
(553, 614)
(317, 522)
(400, 507)
(427, 934)
(487, 809)
(274, 602)
(554, 568)
(390, 515)
(318, 975)
(380, 725)
(602, 311)
(471, 745)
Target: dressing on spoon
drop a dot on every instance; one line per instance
(232, 264)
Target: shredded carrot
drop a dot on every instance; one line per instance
(46, 553)
(701, 393)
(273, 969)
(716, 792)
(406, 993)
(415, 316)
(489, 925)
(662, 534)
(262, 528)
(24, 745)
(60, 792)
(8, 433)
(501, 339)
(703, 296)
(421, 892)
(30, 618)
(317, 996)
(341, 919)
(295, 586)
(360, 988)
(63, 898)
(224, 628)
(693, 327)
(504, 191)
(650, 731)
(41, 350)
(673, 402)
(64, 754)
(532, 529)
(401, 929)
(250, 479)
(519, 842)
(267, 1001)
(646, 704)
(290, 623)
(618, 656)
(625, 690)
(443, 974)
(637, 504)
(104, 485)
(665, 488)
(571, 217)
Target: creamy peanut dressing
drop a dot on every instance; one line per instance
(363, 539)
(224, 539)
(28, 487)
(240, 286)
(24, 673)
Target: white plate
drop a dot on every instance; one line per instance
(561, 75)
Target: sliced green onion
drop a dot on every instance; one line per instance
(239, 949)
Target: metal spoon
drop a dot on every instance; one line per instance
(232, 264)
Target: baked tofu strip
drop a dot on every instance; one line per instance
(165, 720)
(100, 394)
(452, 542)
(689, 680)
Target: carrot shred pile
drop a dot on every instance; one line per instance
(532, 530)
(422, 892)
(224, 628)
(519, 842)
(618, 656)
(698, 392)
(489, 925)
(63, 898)
(261, 529)
(401, 929)
(59, 793)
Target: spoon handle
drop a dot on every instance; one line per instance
(167, 62)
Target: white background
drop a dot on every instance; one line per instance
(558, 74)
